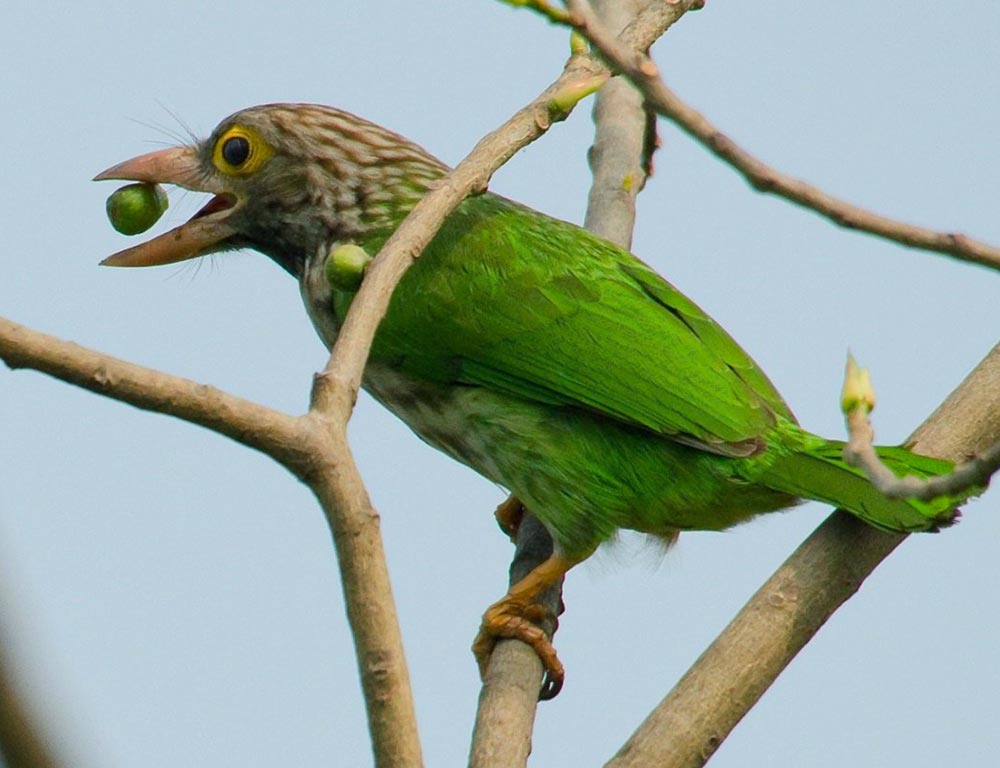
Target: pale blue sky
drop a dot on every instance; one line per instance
(173, 597)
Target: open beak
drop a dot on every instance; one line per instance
(206, 231)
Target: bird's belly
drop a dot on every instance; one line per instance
(582, 475)
(459, 421)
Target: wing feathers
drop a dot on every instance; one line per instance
(507, 298)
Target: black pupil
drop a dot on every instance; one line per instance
(236, 150)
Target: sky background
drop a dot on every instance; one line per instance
(172, 598)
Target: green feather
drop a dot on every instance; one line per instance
(821, 474)
(552, 313)
(565, 369)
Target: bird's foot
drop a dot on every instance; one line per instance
(509, 516)
(519, 619)
(519, 615)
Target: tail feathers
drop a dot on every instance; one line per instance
(821, 474)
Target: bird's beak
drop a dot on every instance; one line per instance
(206, 231)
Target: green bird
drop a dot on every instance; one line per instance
(550, 361)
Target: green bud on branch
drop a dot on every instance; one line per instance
(858, 391)
(569, 95)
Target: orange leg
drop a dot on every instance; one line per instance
(509, 515)
(517, 615)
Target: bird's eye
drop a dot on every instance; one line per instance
(240, 151)
(236, 150)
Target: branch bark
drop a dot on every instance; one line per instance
(509, 696)
(505, 716)
(246, 422)
(640, 70)
(312, 448)
(621, 143)
(688, 726)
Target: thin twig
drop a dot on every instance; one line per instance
(686, 728)
(549, 11)
(857, 402)
(643, 72)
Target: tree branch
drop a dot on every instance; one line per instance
(316, 453)
(509, 697)
(505, 715)
(620, 145)
(643, 72)
(253, 425)
(688, 726)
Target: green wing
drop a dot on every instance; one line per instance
(509, 299)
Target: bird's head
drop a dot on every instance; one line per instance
(287, 180)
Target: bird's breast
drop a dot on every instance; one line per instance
(317, 295)
(449, 418)
(443, 416)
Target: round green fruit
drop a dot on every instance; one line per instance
(135, 208)
(345, 267)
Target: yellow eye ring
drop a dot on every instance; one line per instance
(240, 151)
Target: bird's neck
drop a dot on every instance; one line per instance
(363, 209)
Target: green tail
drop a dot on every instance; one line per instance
(821, 474)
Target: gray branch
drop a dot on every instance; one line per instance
(688, 726)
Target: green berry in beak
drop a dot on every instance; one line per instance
(136, 207)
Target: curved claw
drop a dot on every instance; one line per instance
(550, 687)
(515, 619)
(518, 616)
